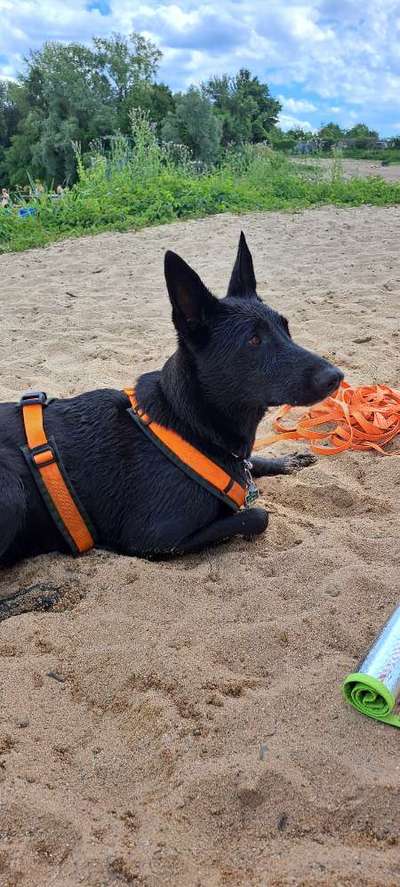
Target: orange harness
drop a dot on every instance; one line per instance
(61, 500)
(50, 476)
(192, 461)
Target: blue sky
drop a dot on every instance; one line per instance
(325, 59)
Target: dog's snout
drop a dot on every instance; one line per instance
(327, 380)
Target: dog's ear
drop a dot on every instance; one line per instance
(243, 281)
(192, 304)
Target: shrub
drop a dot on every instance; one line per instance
(134, 182)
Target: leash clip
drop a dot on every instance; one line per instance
(252, 491)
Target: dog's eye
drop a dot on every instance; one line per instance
(255, 341)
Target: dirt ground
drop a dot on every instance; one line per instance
(362, 168)
(181, 724)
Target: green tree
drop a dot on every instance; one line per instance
(155, 98)
(300, 135)
(9, 117)
(193, 123)
(9, 114)
(65, 98)
(130, 66)
(74, 93)
(362, 135)
(125, 62)
(244, 106)
(361, 131)
(330, 134)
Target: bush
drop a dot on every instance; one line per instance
(133, 182)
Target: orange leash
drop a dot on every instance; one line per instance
(47, 469)
(365, 418)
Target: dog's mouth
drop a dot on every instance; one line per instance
(310, 400)
(331, 389)
(328, 391)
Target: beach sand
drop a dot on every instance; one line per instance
(181, 724)
(356, 168)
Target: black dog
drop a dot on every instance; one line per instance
(235, 358)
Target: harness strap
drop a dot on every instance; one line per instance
(191, 460)
(50, 476)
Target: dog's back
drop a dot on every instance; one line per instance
(138, 501)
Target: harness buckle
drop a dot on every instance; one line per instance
(42, 455)
(33, 397)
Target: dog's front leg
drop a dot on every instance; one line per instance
(289, 464)
(249, 522)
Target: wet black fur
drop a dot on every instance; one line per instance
(235, 358)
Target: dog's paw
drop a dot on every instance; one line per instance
(297, 461)
(255, 521)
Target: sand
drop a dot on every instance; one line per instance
(181, 724)
(362, 168)
(358, 168)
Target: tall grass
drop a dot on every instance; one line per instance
(128, 183)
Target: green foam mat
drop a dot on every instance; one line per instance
(370, 697)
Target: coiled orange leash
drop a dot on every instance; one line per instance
(365, 418)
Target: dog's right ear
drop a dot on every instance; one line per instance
(192, 303)
(243, 280)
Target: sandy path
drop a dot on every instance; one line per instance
(143, 765)
(363, 168)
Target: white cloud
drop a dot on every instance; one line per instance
(286, 121)
(297, 106)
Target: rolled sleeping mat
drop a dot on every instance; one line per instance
(374, 689)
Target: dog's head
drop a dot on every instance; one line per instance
(241, 349)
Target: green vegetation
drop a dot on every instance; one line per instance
(75, 93)
(70, 92)
(244, 107)
(193, 123)
(133, 182)
(359, 142)
(130, 153)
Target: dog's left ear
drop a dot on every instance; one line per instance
(243, 280)
(193, 306)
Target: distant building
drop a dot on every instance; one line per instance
(311, 146)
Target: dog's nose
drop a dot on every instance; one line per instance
(327, 380)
